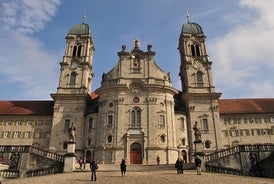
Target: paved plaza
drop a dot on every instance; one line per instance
(105, 176)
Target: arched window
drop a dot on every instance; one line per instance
(76, 50)
(136, 117)
(200, 79)
(183, 141)
(162, 139)
(195, 50)
(72, 78)
(109, 139)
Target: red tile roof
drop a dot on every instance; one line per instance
(246, 106)
(26, 108)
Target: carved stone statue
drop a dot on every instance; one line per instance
(71, 132)
(197, 131)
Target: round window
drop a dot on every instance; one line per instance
(207, 144)
(136, 100)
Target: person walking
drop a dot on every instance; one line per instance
(179, 166)
(198, 163)
(123, 168)
(93, 168)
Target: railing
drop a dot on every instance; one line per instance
(223, 170)
(7, 173)
(237, 149)
(11, 149)
(57, 167)
(47, 154)
(43, 171)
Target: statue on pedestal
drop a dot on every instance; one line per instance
(71, 132)
(197, 132)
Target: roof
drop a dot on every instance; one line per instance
(26, 108)
(79, 29)
(246, 106)
(192, 28)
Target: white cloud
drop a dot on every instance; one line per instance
(246, 50)
(23, 59)
(27, 16)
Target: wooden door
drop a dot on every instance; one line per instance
(135, 153)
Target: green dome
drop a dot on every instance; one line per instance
(192, 28)
(79, 29)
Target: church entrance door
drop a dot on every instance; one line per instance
(135, 153)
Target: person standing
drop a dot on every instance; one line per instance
(158, 160)
(93, 168)
(123, 167)
(198, 163)
(84, 162)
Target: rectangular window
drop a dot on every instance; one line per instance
(110, 120)
(161, 121)
(47, 135)
(243, 120)
(27, 135)
(30, 122)
(49, 122)
(90, 123)
(233, 133)
(6, 134)
(67, 124)
(272, 120)
(183, 124)
(245, 132)
(205, 126)
(256, 132)
(39, 123)
(37, 135)
(16, 135)
(222, 121)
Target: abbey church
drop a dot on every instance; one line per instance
(136, 113)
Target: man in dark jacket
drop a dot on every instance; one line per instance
(93, 168)
(198, 163)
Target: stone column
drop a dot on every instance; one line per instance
(70, 157)
(199, 151)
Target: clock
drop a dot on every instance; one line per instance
(197, 64)
(74, 65)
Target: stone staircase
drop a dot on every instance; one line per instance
(139, 167)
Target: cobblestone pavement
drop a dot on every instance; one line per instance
(137, 177)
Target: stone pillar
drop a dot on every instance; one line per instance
(70, 157)
(199, 151)
(23, 164)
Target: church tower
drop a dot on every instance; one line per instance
(73, 92)
(198, 90)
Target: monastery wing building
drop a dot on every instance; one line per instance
(136, 113)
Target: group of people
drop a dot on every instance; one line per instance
(179, 165)
(123, 167)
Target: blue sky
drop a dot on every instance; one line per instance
(240, 39)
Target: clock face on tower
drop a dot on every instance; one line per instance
(74, 65)
(197, 64)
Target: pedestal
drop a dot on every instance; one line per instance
(199, 151)
(70, 157)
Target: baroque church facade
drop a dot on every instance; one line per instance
(136, 113)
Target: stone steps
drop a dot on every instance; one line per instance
(139, 167)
